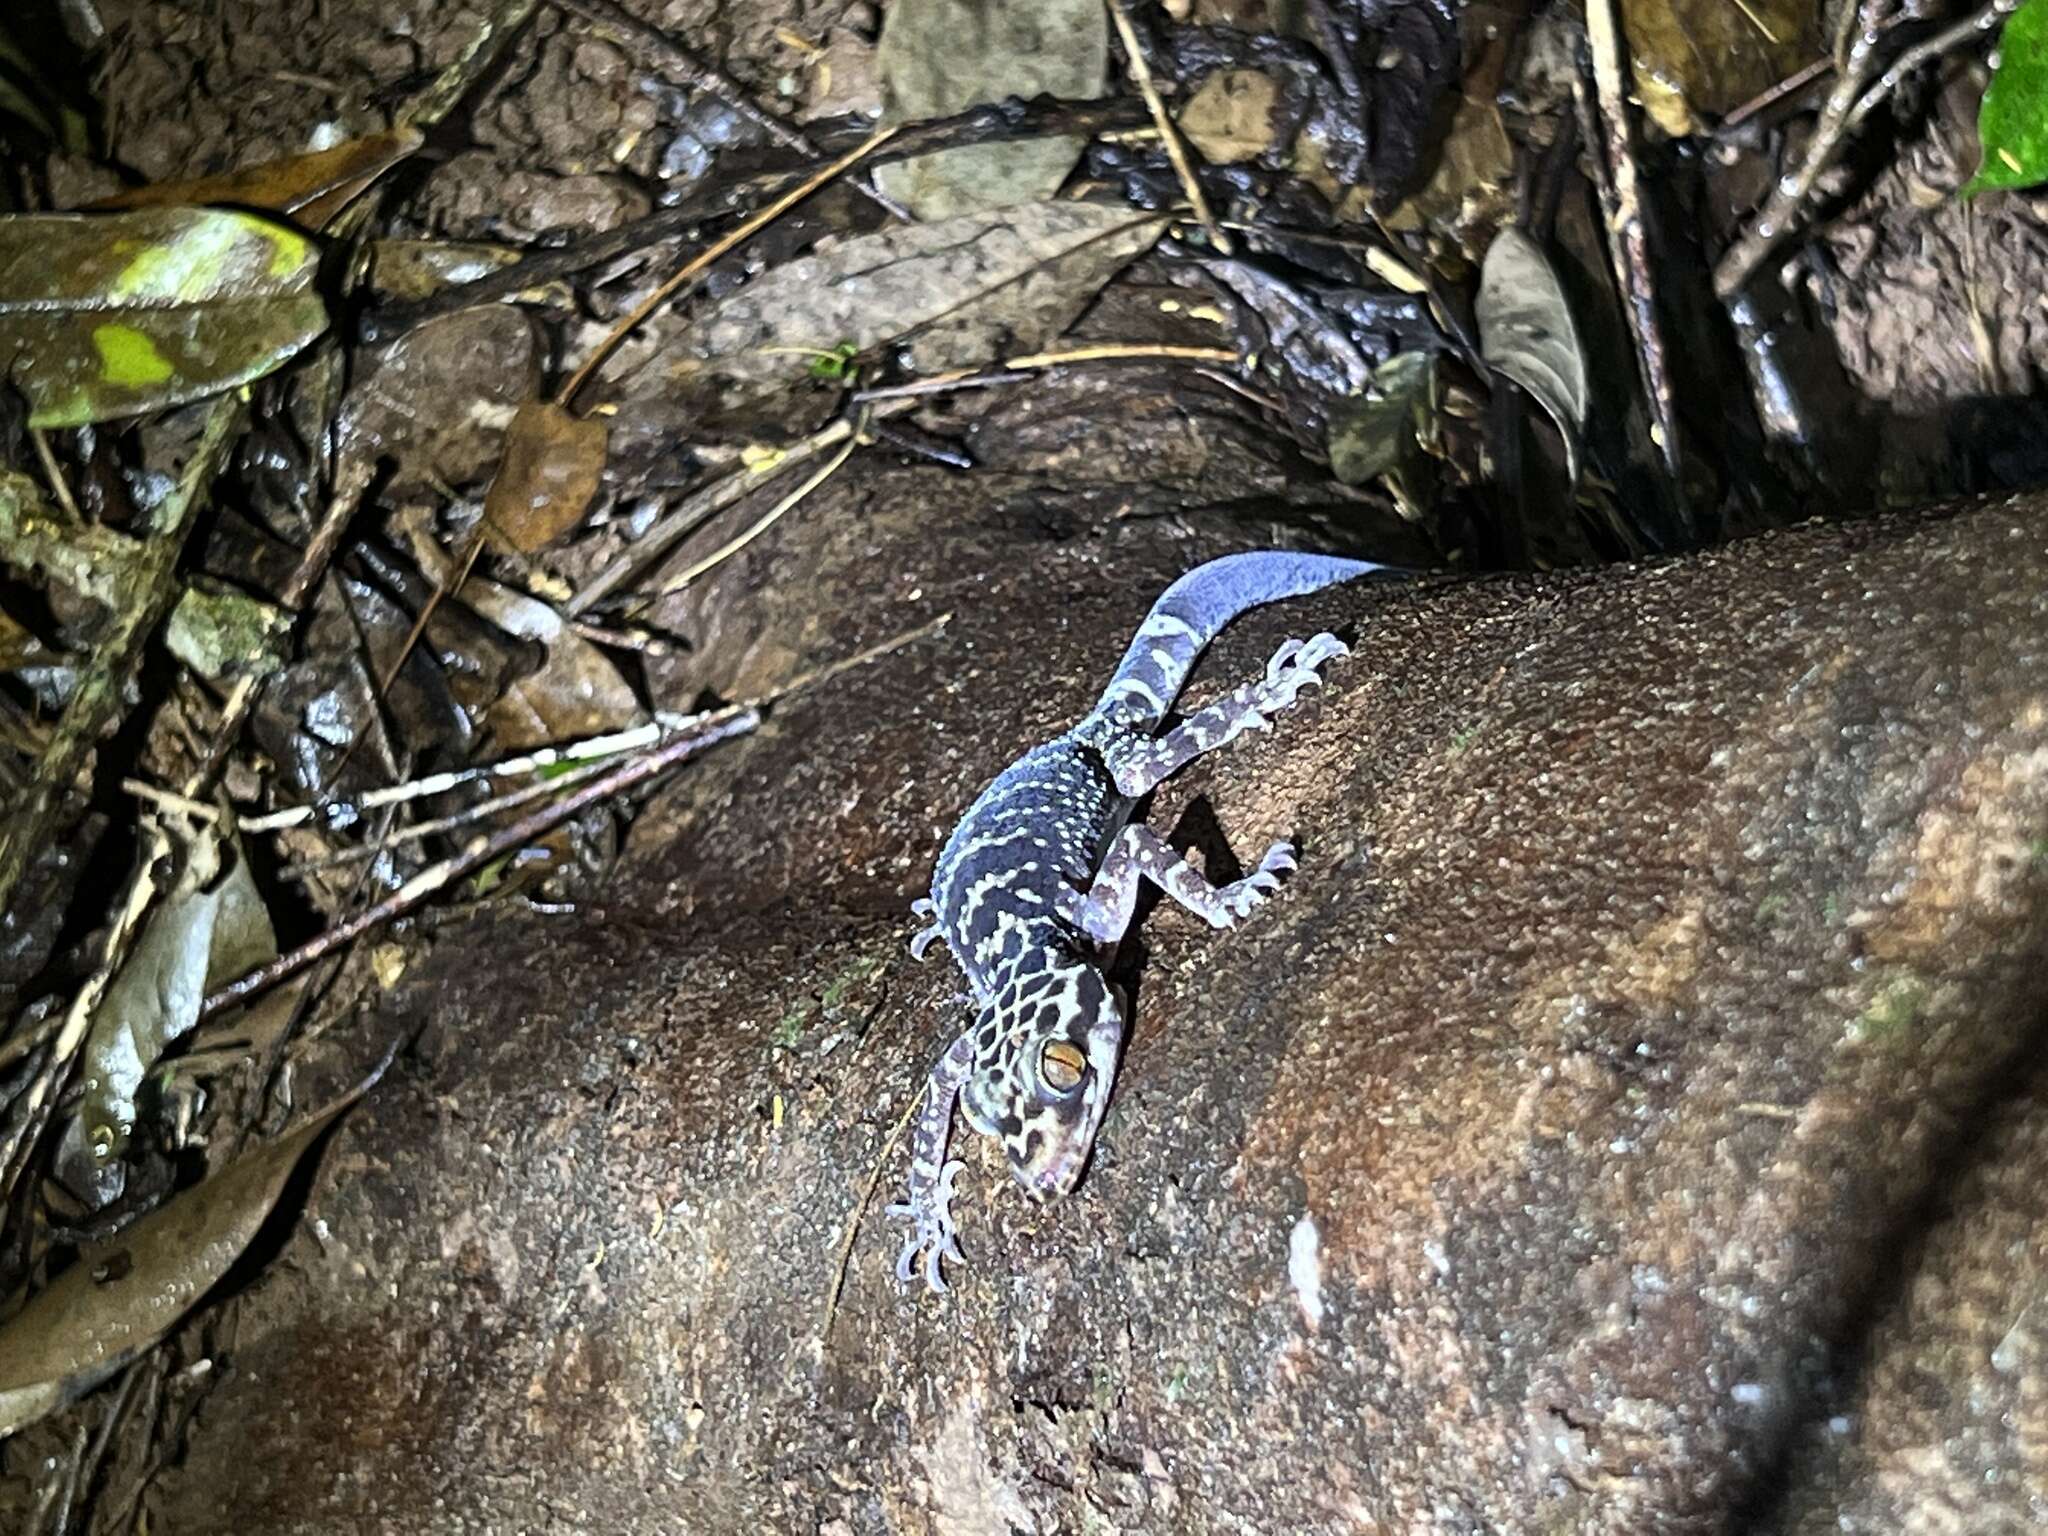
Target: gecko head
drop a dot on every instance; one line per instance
(1046, 1049)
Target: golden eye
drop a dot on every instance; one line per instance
(1061, 1065)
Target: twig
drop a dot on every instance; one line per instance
(768, 519)
(1003, 123)
(717, 726)
(860, 1211)
(352, 484)
(59, 486)
(696, 510)
(1770, 96)
(1011, 370)
(712, 253)
(587, 750)
(483, 810)
(737, 722)
(1176, 150)
(1628, 245)
(1849, 103)
(677, 62)
(149, 588)
(185, 805)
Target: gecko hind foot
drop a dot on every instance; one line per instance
(1241, 896)
(1294, 665)
(932, 1231)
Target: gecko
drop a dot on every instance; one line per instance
(1040, 877)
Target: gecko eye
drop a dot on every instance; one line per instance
(1061, 1066)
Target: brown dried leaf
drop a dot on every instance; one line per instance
(551, 469)
(960, 292)
(313, 187)
(124, 1295)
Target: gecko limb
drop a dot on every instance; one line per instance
(1140, 853)
(1139, 764)
(929, 1208)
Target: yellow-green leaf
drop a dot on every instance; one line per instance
(111, 315)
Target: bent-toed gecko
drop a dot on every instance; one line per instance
(1042, 874)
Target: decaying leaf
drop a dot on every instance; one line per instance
(575, 692)
(312, 187)
(959, 292)
(552, 466)
(1695, 59)
(1526, 333)
(1229, 119)
(938, 57)
(108, 315)
(1382, 431)
(435, 403)
(122, 1296)
(2012, 122)
(221, 633)
(416, 269)
(210, 927)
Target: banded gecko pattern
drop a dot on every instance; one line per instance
(1042, 873)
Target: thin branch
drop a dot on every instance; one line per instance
(481, 851)
(59, 486)
(483, 810)
(1628, 246)
(1850, 102)
(1176, 150)
(696, 510)
(712, 253)
(1012, 370)
(1047, 117)
(588, 750)
(768, 519)
(716, 726)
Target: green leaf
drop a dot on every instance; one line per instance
(112, 315)
(2012, 122)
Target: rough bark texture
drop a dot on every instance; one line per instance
(1662, 937)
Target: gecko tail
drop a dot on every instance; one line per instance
(1194, 610)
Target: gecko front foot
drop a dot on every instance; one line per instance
(929, 935)
(932, 1232)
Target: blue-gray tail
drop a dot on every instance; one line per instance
(1193, 611)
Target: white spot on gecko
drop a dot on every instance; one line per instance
(1305, 1270)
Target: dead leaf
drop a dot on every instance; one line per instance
(1382, 431)
(1229, 119)
(959, 293)
(1526, 333)
(211, 926)
(313, 187)
(119, 1298)
(552, 467)
(1695, 58)
(938, 57)
(437, 401)
(110, 315)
